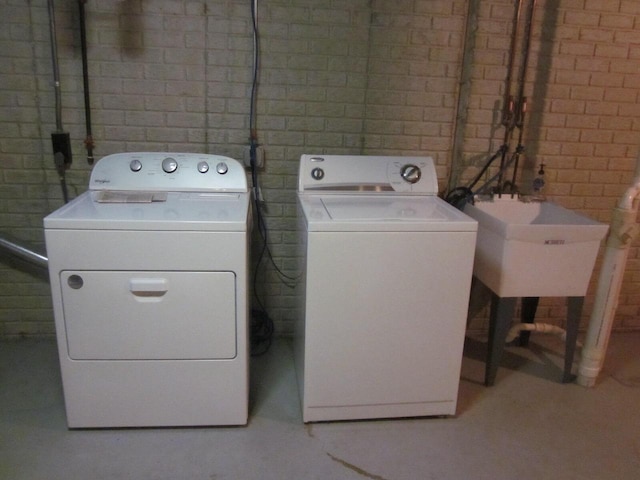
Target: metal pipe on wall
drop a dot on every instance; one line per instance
(88, 141)
(56, 68)
(464, 94)
(60, 140)
(11, 247)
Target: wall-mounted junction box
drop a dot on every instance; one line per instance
(259, 156)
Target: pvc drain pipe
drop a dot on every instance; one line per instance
(535, 327)
(621, 235)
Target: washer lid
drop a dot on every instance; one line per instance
(193, 211)
(393, 213)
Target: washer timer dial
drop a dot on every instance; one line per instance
(135, 165)
(169, 165)
(222, 168)
(410, 173)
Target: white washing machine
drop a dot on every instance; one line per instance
(149, 280)
(386, 289)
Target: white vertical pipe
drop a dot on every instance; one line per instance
(621, 234)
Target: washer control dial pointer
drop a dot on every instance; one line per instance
(411, 173)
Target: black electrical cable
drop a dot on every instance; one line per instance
(253, 139)
(262, 325)
(483, 188)
(261, 328)
(500, 151)
(256, 58)
(460, 196)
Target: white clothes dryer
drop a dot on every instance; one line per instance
(386, 286)
(149, 278)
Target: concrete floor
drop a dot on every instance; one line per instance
(528, 426)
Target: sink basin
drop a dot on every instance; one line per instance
(536, 249)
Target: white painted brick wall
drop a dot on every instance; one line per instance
(351, 76)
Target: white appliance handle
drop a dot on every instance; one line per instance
(148, 287)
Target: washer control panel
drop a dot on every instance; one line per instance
(367, 173)
(160, 171)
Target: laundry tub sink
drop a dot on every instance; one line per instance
(536, 249)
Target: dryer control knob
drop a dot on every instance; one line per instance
(135, 165)
(222, 168)
(203, 167)
(411, 173)
(169, 165)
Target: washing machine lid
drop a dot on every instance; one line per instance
(380, 212)
(186, 211)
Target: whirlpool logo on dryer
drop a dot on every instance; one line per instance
(102, 180)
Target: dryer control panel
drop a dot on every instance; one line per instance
(367, 174)
(168, 172)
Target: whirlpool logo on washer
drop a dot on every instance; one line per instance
(102, 180)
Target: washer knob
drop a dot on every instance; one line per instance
(135, 165)
(203, 167)
(411, 173)
(222, 168)
(169, 165)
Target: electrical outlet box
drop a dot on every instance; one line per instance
(61, 144)
(259, 156)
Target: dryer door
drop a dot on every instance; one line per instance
(123, 315)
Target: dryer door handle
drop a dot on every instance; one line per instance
(148, 287)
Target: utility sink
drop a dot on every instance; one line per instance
(536, 249)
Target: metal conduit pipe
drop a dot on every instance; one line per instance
(22, 252)
(60, 140)
(88, 141)
(56, 69)
(464, 94)
(622, 232)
